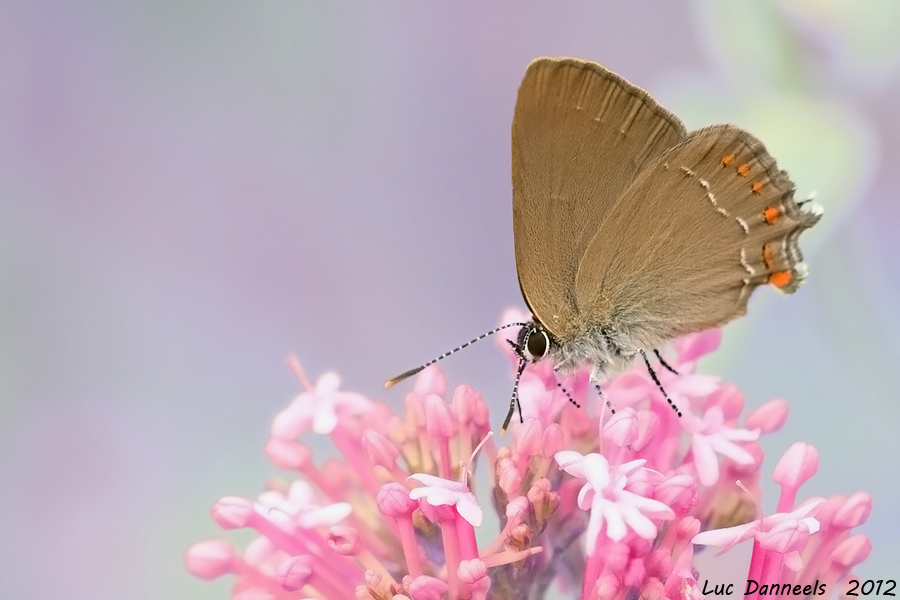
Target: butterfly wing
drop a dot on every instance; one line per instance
(688, 241)
(580, 135)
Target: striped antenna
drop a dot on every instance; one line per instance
(412, 372)
(514, 401)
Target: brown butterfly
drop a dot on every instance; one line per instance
(630, 231)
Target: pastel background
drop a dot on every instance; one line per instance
(189, 191)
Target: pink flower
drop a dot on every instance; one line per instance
(761, 529)
(393, 516)
(605, 496)
(298, 509)
(711, 436)
(438, 491)
(318, 409)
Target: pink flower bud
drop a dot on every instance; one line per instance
(481, 414)
(692, 347)
(251, 593)
(415, 409)
(393, 500)
(517, 507)
(528, 437)
(210, 559)
(659, 563)
(622, 428)
(634, 573)
(769, 417)
(824, 513)
(427, 588)
(797, 465)
(439, 420)
(373, 578)
(539, 490)
(852, 551)
(607, 586)
(472, 570)
(687, 528)
(232, 512)
(464, 403)
(291, 421)
(854, 512)
(639, 546)
(551, 441)
(287, 454)
(678, 492)
(343, 540)
(729, 399)
(430, 381)
(653, 590)
(380, 449)
(294, 573)
(648, 423)
(508, 477)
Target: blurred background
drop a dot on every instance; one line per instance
(190, 191)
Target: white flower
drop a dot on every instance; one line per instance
(438, 491)
(318, 409)
(710, 436)
(771, 533)
(604, 495)
(297, 509)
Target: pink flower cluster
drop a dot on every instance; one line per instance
(613, 505)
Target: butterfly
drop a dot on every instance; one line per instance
(631, 231)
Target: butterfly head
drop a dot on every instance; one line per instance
(533, 343)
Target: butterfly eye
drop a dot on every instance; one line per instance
(537, 345)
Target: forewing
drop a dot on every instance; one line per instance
(580, 135)
(690, 239)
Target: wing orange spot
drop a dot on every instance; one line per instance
(743, 170)
(757, 187)
(771, 215)
(727, 160)
(780, 278)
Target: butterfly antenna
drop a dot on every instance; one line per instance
(514, 401)
(658, 384)
(664, 363)
(412, 372)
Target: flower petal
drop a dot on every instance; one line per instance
(725, 537)
(615, 524)
(730, 450)
(595, 524)
(325, 516)
(324, 419)
(570, 462)
(705, 460)
(435, 481)
(435, 496)
(585, 497)
(596, 470)
(327, 383)
(639, 523)
(468, 509)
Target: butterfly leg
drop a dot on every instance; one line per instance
(564, 390)
(595, 381)
(658, 384)
(664, 363)
(568, 395)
